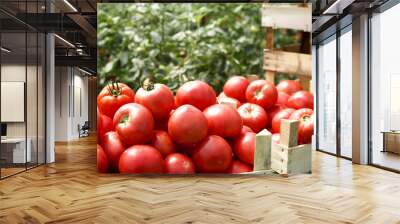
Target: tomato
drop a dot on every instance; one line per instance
(177, 163)
(187, 125)
(301, 99)
(306, 125)
(163, 143)
(276, 121)
(289, 86)
(134, 124)
(276, 137)
(239, 167)
(245, 129)
(104, 125)
(229, 101)
(141, 159)
(236, 87)
(244, 147)
(196, 93)
(212, 155)
(282, 98)
(158, 98)
(113, 96)
(274, 110)
(113, 147)
(223, 120)
(262, 93)
(253, 116)
(221, 95)
(102, 160)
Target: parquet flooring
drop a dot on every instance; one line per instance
(71, 191)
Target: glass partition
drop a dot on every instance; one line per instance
(327, 96)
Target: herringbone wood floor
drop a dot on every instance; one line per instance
(71, 191)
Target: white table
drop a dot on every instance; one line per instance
(18, 149)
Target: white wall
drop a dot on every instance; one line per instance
(70, 83)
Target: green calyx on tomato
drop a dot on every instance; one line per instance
(148, 85)
(124, 119)
(114, 89)
(259, 94)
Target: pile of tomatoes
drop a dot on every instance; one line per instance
(195, 131)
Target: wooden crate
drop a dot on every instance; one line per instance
(287, 157)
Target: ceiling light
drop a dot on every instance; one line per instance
(5, 50)
(70, 5)
(65, 41)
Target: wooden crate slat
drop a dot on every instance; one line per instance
(287, 62)
(287, 16)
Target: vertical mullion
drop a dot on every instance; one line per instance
(37, 89)
(0, 94)
(317, 96)
(26, 86)
(369, 89)
(338, 74)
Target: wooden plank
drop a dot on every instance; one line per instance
(291, 160)
(269, 44)
(287, 62)
(262, 152)
(289, 132)
(287, 16)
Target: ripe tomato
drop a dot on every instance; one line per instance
(196, 93)
(113, 147)
(102, 160)
(141, 159)
(134, 124)
(158, 98)
(113, 96)
(253, 116)
(245, 129)
(223, 120)
(212, 155)
(306, 125)
(177, 163)
(163, 143)
(276, 137)
(282, 98)
(275, 109)
(104, 125)
(289, 86)
(239, 167)
(244, 147)
(276, 121)
(236, 87)
(262, 93)
(229, 101)
(301, 99)
(187, 125)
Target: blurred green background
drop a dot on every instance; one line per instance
(175, 43)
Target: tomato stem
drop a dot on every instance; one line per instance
(124, 119)
(113, 89)
(148, 85)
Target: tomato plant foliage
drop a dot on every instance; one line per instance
(175, 43)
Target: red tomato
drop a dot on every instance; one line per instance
(306, 126)
(223, 120)
(177, 163)
(239, 167)
(276, 121)
(245, 129)
(262, 93)
(212, 155)
(301, 99)
(113, 147)
(141, 159)
(236, 87)
(253, 116)
(102, 160)
(134, 124)
(289, 86)
(163, 143)
(187, 125)
(104, 125)
(244, 147)
(221, 95)
(113, 96)
(229, 100)
(196, 93)
(274, 110)
(282, 98)
(159, 99)
(276, 137)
